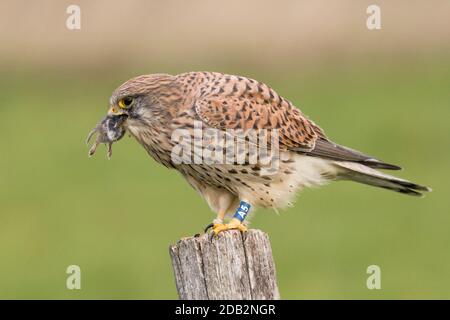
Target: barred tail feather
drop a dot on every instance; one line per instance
(363, 174)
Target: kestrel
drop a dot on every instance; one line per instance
(158, 109)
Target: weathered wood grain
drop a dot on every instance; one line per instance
(232, 265)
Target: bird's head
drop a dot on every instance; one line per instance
(136, 102)
(136, 105)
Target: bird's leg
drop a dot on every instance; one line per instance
(236, 221)
(218, 220)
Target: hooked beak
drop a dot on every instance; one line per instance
(115, 123)
(116, 111)
(117, 117)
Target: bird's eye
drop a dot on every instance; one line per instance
(125, 102)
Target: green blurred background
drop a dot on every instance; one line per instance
(384, 92)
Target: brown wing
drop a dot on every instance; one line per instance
(241, 103)
(328, 149)
(233, 102)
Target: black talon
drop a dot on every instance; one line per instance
(209, 226)
(212, 237)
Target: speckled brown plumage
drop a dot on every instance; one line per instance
(164, 103)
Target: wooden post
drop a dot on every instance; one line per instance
(232, 265)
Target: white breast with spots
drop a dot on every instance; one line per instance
(291, 177)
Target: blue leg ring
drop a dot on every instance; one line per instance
(242, 211)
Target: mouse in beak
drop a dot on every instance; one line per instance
(109, 130)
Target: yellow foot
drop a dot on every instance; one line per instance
(233, 224)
